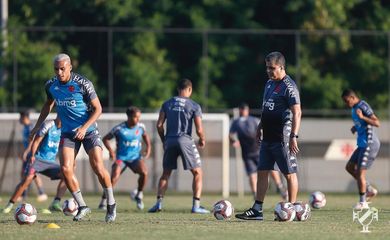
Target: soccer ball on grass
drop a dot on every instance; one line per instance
(70, 207)
(317, 200)
(284, 212)
(25, 213)
(223, 210)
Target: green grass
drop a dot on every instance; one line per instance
(334, 221)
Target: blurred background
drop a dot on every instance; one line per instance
(134, 51)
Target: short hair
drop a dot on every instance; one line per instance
(277, 58)
(62, 57)
(184, 83)
(130, 111)
(348, 92)
(24, 114)
(243, 105)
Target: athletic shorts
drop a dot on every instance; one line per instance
(183, 146)
(49, 169)
(364, 157)
(279, 153)
(92, 139)
(251, 164)
(126, 164)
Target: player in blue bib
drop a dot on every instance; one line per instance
(25, 120)
(368, 145)
(79, 107)
(42, 159)
(179, 112)
(279, 126)
(129, 136)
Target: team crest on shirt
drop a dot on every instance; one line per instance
(71, 88)
(136, 132)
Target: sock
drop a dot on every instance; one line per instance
(362, 197)
(139, 195)
(103, 200)
(57, 199)
(258, 206)
(41, 191)
(10, 204)
(196, 202)
(159, 199)
(110, 196)
(79, 198)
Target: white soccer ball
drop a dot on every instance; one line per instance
(25, 213)
(284, 212)
(317, 200)
(223, 210)
(302, 210)
(70, 207)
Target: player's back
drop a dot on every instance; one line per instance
(180, 112)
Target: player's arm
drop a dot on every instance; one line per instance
(106, 142)
(26, 151)
(35, 145)
(296, 123)
(199, 131)
(160, 126)
(259, 131)
(372, 119)
(146, 139)
(46, 109)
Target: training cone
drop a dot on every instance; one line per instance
(52, 225)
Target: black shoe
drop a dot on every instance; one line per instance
(251, 214)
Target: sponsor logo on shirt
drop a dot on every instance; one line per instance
(66, 103)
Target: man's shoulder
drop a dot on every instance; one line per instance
(51, 81)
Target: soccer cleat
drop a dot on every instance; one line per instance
(82, 212)
(42, 197)
(102, 206)
(140, 203)
(371, 192)
(361, 205)
(55, 206)
(251, 214)
(156, 208)
(200, 210)
(8, 208)
(111, 213)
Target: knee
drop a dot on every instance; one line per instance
(143, 174)
(66, 170)
(197, 172)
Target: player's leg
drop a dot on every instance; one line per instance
(20, 188)
(117, 169)
(253, 183)
(169, 163)
(292, 187)
(266, 164)
(139, 167)
(42, 196)
(53, 171)
(275, 175)
(251, 170)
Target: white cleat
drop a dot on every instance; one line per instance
(111, 213)
(361, 205)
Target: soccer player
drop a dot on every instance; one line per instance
(42, 159)
(245, 128)
(368, 145)
(279, 126)
(179, 112)
(129, 136)
(24, 119)
(78, 107)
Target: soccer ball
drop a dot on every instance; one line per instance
(284, 212)
(303, 211)
(223, 210)
(70, 207)
(317, 200)
(25, 213)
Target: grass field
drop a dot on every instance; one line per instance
(334, 221)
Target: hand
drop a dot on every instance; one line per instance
(359, 113)
(353, 129)
(201, 143)
(32, 160)
(293, 146)
(236, 144)
(80, 133)
(258, 135)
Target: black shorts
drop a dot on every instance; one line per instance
(251, 164)
(279, 153)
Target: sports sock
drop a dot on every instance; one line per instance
(139, 195)
(41, 191)
(362, 197)
(57, 199)
(110, 196)
(159, 199)
(196, 202)
(258, 205)
(79, 198)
